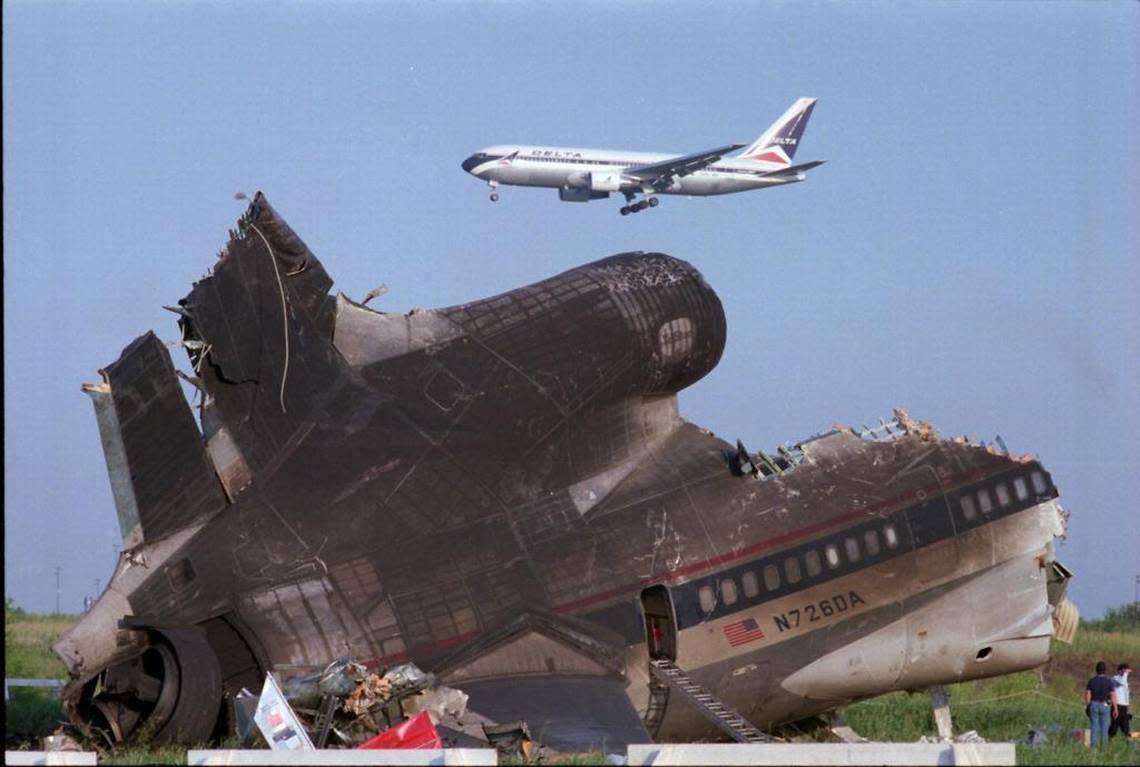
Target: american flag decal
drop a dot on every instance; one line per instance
(743, 632)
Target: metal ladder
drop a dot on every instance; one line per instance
(733, 724)
(655, 711)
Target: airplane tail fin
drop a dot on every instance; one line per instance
(778, 144)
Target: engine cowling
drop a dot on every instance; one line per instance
(579, 194)
(605, 181)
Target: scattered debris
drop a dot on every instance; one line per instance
(395, 707)
(924, 430)
(970, 736)
(337, 679)
(511, 739)
(846, 734)
(1039, 736)
(60, 741)
(442, 702)
(244, 707)
(407, 679)
(372, 690)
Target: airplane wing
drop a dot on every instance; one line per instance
(679, 166)
(796, 168)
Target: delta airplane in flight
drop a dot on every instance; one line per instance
(581, 175)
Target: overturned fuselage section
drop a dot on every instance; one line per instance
(406, 486)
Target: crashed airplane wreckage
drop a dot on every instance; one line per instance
(504, 493)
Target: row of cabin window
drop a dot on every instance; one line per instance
(971, 502)
(578, 161)
(853, 546)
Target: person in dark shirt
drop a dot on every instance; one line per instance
(1100, 702)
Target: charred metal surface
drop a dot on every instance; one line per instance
(407, 486)
(162, 478)
(561, 675)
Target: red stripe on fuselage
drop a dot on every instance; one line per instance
(674, 576)
(804, 532)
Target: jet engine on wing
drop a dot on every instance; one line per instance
(605, 181)
(595, 181)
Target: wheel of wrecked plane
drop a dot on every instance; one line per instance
(171, 693)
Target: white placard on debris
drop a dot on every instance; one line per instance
(275, 718)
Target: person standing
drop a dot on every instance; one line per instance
(1100, 702)
(1120, 722)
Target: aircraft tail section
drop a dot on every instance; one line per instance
(778, 144)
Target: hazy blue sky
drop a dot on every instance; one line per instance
(969, 251)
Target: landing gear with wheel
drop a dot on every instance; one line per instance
(171, 693)
(494, 190)
(637, 207)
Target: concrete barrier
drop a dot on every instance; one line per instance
(333, 756)
(822, 754)
(51, 757)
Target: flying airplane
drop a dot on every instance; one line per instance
(581, 175)
(505, 493)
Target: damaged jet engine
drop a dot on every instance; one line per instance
(505, 493)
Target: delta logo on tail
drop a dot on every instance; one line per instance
(778, 144)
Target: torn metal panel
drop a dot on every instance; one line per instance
(229, 463)
(535, 643)
(365, 336)
(562, 674)
(160, 477)
(263, 318)
(118, 468)
(1066, 619)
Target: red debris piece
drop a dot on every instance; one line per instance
(417, 732)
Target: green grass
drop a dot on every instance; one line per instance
(27, 643)
(1116, 752)
(1000, 709)
(1110, 646)
(145, 755)
(1006, 708)
(31, 714)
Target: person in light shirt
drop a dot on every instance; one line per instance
(1121, 722)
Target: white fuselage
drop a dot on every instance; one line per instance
(566, 167)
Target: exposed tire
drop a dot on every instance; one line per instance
(199, 690)
(654, 202)
(170, 693)
(625, 210)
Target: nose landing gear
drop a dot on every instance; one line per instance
(637, 207)
(494, 190)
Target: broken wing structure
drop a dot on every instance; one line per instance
(505, 493)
